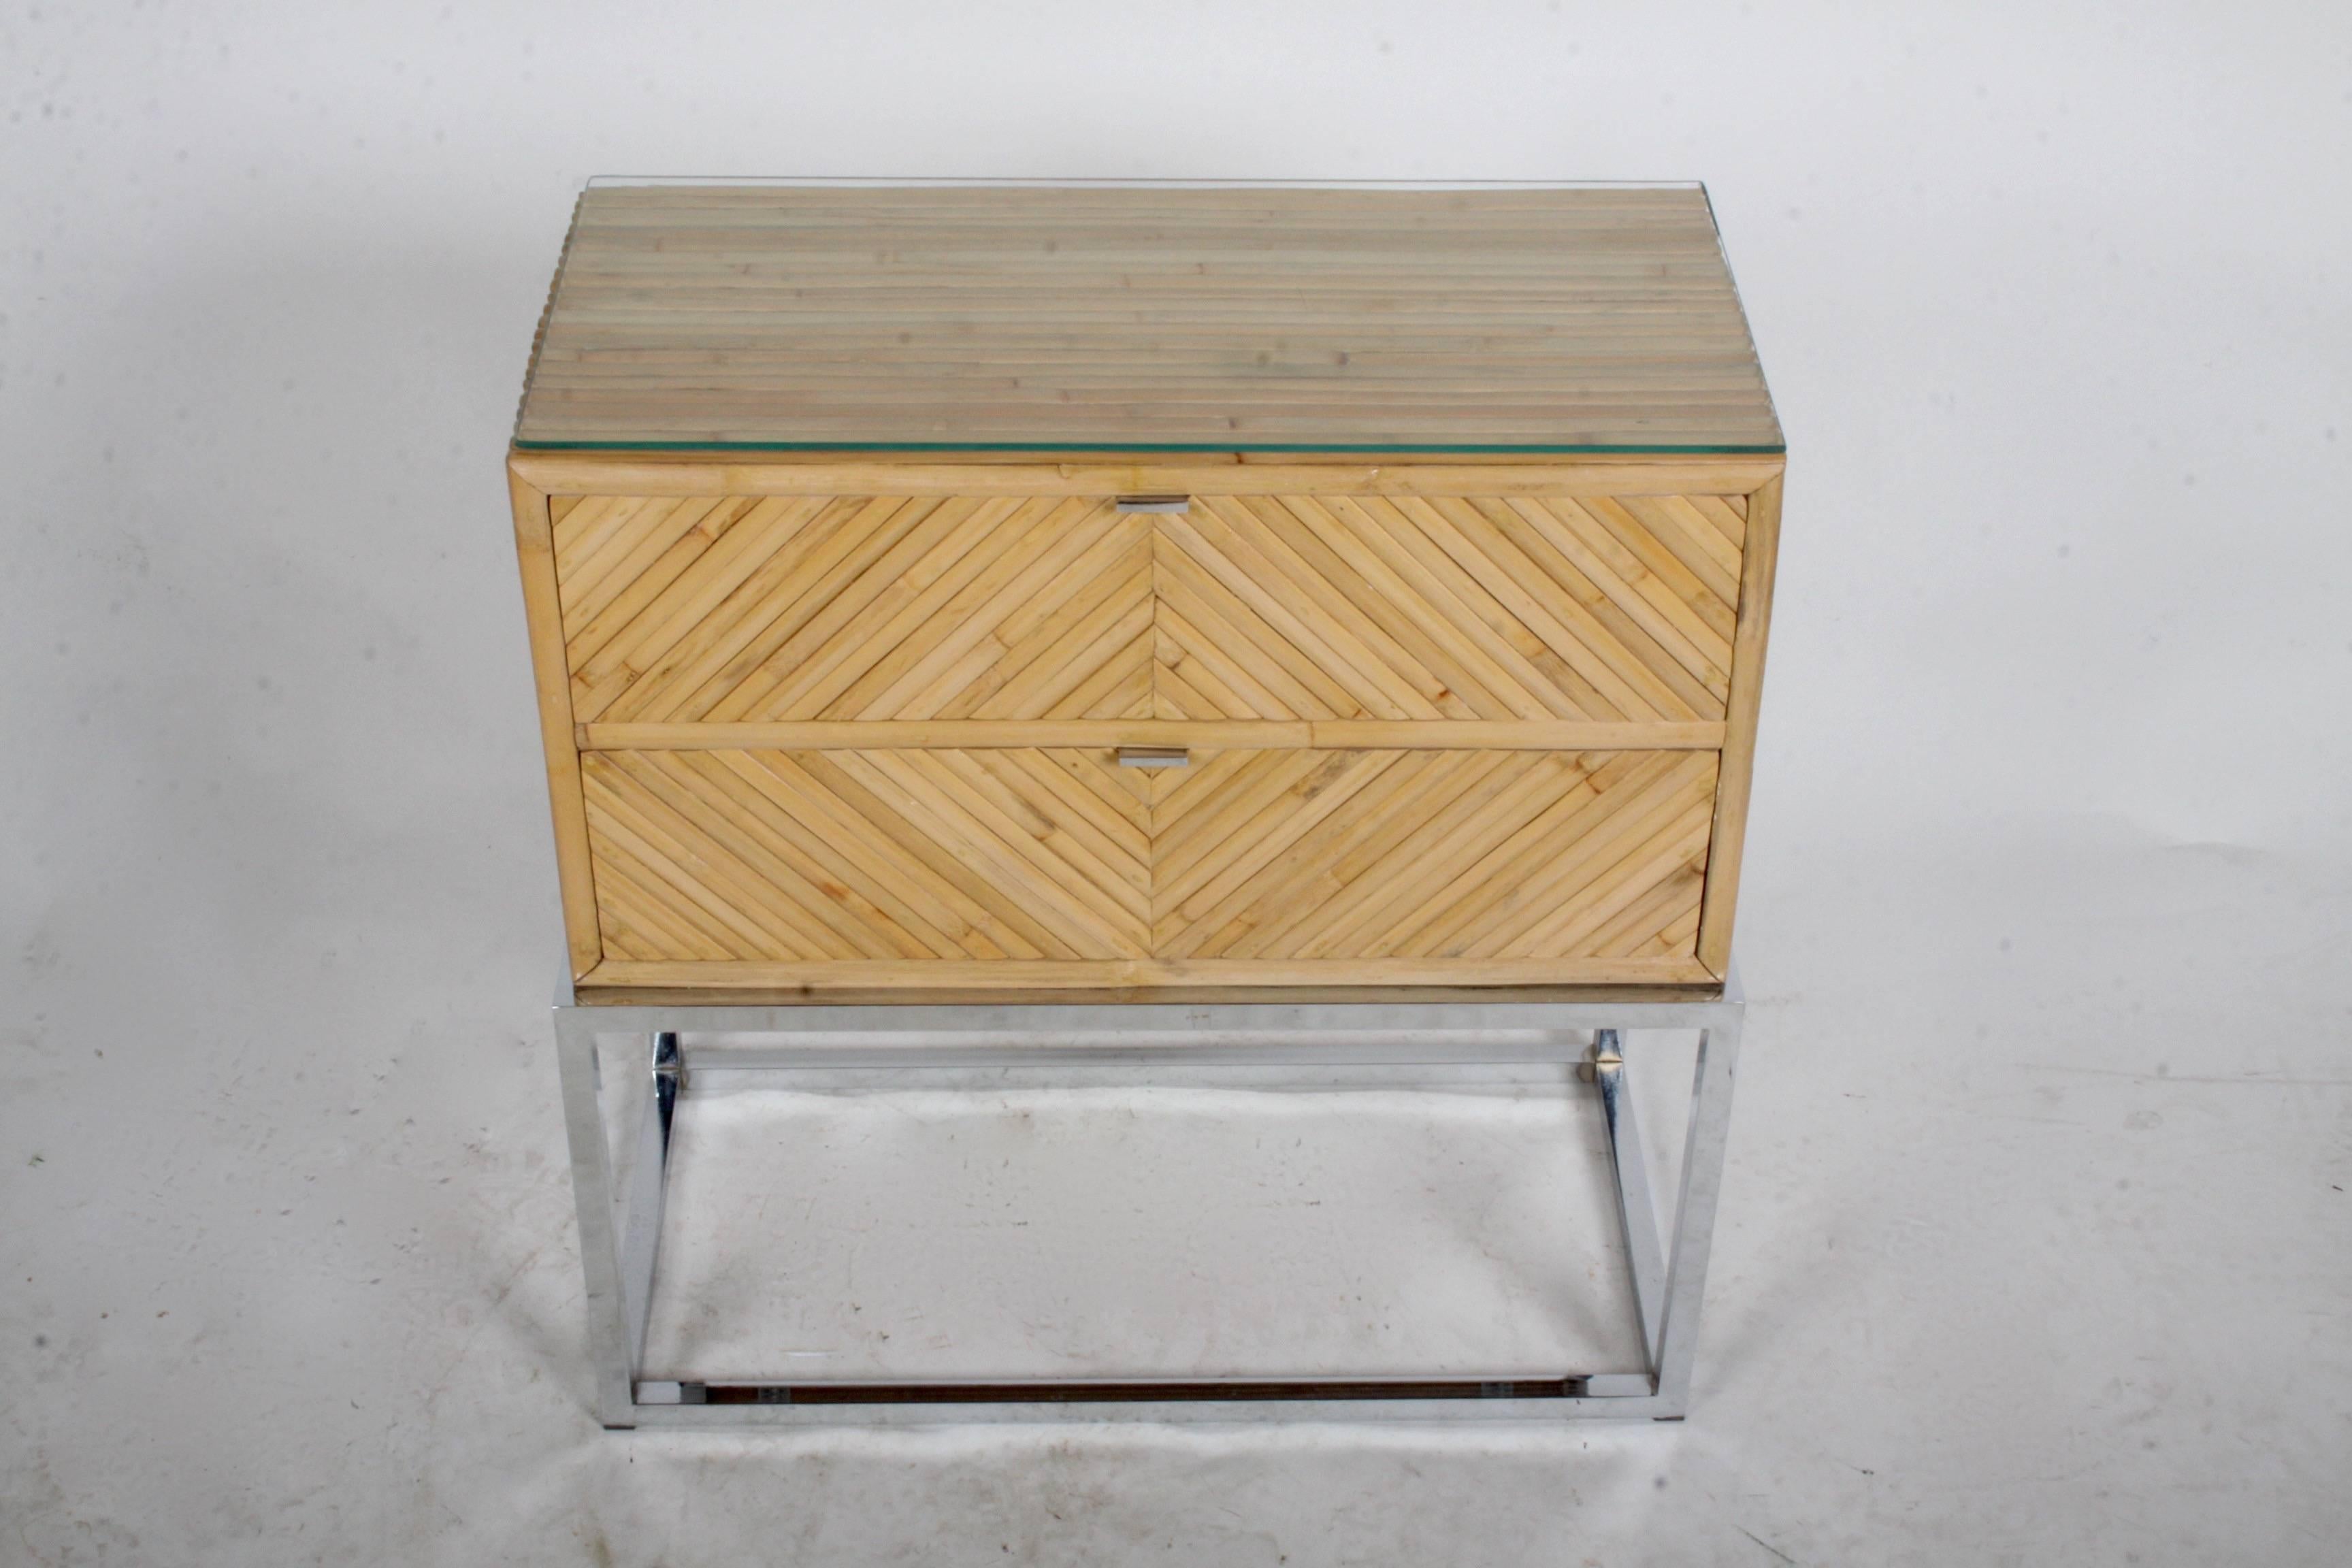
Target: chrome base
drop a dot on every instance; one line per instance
(621, 1198)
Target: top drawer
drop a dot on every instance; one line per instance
(734, 609)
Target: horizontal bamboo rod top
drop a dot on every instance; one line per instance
(930, 317)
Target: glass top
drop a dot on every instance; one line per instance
(1119, 316)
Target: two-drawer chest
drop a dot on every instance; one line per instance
(1160, 591)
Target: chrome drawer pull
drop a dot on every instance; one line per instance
(1154, 757)
(1155, 503)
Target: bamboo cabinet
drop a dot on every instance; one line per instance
(1165, 592)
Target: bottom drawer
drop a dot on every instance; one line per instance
(813, 871)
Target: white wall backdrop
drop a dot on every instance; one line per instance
(2052, 826)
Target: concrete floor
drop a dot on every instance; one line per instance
(2035, 1247)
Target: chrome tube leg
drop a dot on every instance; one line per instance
(1702, 1185)
(648, 1190)
(1646, 1260)
(591, 1188)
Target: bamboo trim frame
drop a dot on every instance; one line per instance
(1208, 734)
(535, 477)
(1759, 565)
(584, 938)
(785, 474)
(830, 980)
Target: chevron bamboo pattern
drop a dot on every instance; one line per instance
(1471, 607)
(813, 856)
(1368, 608)
(1395, 854)
(1031, 853)
(846, 607)
(865, 607)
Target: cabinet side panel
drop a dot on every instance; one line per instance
(1762, 554)
(542, 613)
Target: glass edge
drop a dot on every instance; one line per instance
(1739, 304)
(618, 181)
(1047, 451)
